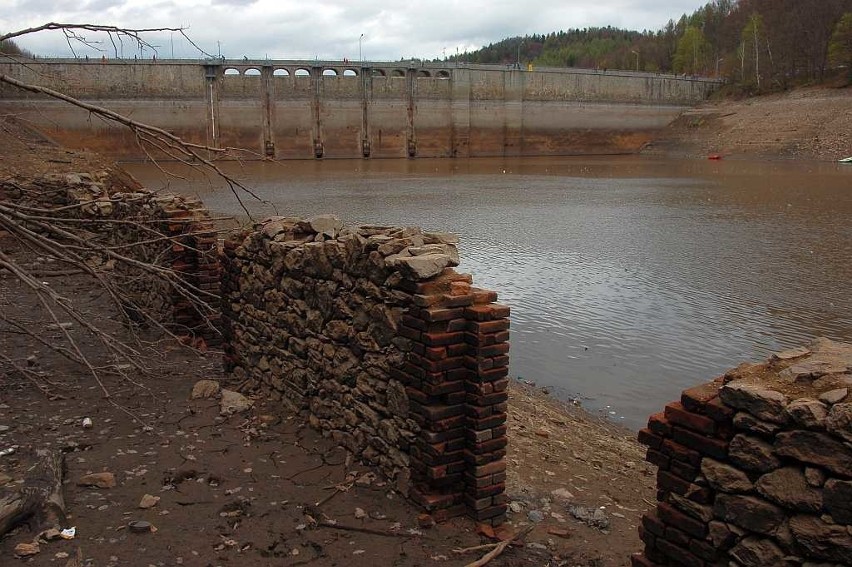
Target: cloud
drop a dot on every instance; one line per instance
(331, 29)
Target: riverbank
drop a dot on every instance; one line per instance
(239, 488)
(803, 124)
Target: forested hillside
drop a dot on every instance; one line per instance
(758, 43)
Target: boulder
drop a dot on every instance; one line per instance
(834, 396)
(205, 389)
(839, 421)
(808, 413)
(233, 402)
(419, 267)
(757, 552)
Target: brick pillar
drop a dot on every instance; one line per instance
(435, 376)
(487, 359)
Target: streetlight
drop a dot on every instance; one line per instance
(360, 58)
(636, 53)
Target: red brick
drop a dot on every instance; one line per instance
(639, 560)
(677, 415)
(413, 322)
(487, 399)
(440, 314)
(489, 422)
(677, 537)
(648, 439)
(677, 451)
(695, 399)
(657, 458)
(683, 470)
(435, 353)
(660, 425)
(679, 555)
(439, 339)
(673, 517)
(719, 412)
(490, 513)
(493, 350)
(479, 312)
(483, 295)
(716, 448)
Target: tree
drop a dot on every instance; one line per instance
(840, 47)
(691, 54)
(752, 36)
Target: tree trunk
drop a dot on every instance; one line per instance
(39, 502)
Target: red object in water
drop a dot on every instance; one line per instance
(714, 156)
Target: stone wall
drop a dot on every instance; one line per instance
(755, 467)
(370, 333)
(168, 231)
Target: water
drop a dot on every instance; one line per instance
(629, 278)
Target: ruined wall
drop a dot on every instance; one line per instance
(372, 335)
(164, 230)
(755, 468)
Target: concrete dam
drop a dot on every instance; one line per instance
(332, 109)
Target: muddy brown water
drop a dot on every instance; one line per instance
(630, 278)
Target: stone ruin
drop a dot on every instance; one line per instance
(370, 333)
(755, 467)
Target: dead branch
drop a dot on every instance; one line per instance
(359, 529)
(500, 548)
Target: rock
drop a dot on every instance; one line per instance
(788, 487)
(814, 477)
(360, 513)
(838, 500)
(516, 506)
(233, 402)
(762, 403)
(148, 501)
(821, 540)
(535, 516)
(815, 448)
(833, 396)
(542, 432)
(723, 535)
(748, 512)
(724, 477)
(790, 354)
(594, 517)
(328, 225)
(27, 549)
(419, 267)
(425, 521)
(559, 532)
(562, 494)
(808, 413)
(747, 422)
(98, 480)
(752, 454)
(691, 508)
(205, 389)
(839, 421)
(757, 552)
(397, 399)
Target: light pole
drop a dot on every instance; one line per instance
(636, 53)
(360, 58)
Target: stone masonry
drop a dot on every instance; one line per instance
(381, 345)
(755, 467)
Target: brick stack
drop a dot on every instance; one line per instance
(755, 468)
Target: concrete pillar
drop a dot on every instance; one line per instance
(316, 108)
(513, 128)
(366, 95)
(460, 119)
(411, 95)
(268, 105)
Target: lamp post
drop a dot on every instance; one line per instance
(636, 53)
(360, 58)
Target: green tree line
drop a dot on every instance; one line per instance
(759, 44)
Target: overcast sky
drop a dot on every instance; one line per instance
(289, 29)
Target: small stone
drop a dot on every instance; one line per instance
(838, 500)
(535, 516)
(747, 422)
(516, 507)
(559, 532)
(562, 494)
(757, 552)
(360, 513)
(790, 354)
(27, 549)
(752, 454)
(233, 402)
(834, 396)
(98, 480)
(425, 521)
(814, 477)
(328, 225)
(148, 501)
(748, 512)
(542, 432)
(419, 267)
(204, 389)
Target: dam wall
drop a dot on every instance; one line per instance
(313, 109)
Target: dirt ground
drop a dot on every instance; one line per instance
(259, 487)
(808, 123)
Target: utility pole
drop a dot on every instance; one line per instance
(360, 57)
(636, 53)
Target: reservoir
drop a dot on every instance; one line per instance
(630, 278)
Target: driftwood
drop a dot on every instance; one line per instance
(39, 502)
(498, 548)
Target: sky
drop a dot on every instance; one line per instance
(327, 29)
